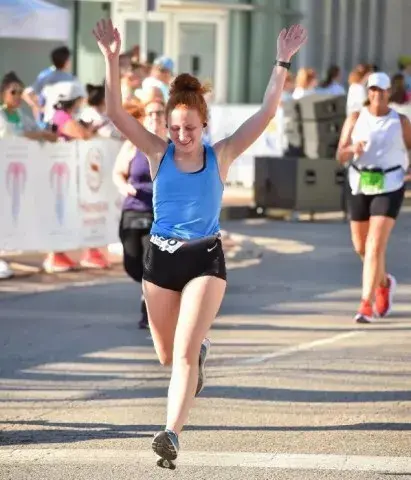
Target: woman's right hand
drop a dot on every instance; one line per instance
(358, 148)
(127, 190)
(108, 39)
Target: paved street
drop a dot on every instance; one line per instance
(295, 389)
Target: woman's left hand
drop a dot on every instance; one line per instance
(290, 41)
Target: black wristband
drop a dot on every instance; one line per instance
(286, 65)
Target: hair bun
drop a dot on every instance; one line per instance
(188, 83)
(90, 87)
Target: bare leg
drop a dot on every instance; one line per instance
(163, 306)
(200, 302)
(374, 260)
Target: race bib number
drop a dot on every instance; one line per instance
(371, 183)
(169, 245)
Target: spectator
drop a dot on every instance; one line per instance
(13, 122)
(71, 95)
(357, 93)
(131, 175)
(36, 96)
(305, 83)
(332, 83)
(94, 114)
(132, 78)
(404, 66)
(160, 75)
(399, 94)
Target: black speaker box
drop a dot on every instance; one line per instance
(322, 107)
(301, 184)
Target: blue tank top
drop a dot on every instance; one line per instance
(187, 205)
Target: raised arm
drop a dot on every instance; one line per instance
(228, 149)
(109, 42)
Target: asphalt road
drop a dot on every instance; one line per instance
(295, 389)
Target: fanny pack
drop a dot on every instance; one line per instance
(372, 179)
(134, 220)
(171, 245)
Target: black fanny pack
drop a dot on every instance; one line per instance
(375, 169)
(134, 220)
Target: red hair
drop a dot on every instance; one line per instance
(186, 91)
(135, 108)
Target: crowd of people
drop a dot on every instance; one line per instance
(306, 82)
(61, 108)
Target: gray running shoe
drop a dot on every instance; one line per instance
(166, 446)
(204, 350)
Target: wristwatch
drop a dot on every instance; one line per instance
(286, 65)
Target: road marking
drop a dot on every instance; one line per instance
(297, 348)
(357, 463)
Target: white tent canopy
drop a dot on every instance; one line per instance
(33, 19)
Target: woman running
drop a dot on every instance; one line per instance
(375, 142)
(131, 175)
(184, 277)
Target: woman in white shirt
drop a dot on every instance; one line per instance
(374, 142)
(94, 113)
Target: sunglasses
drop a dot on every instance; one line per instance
(156, 112)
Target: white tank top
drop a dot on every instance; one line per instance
(385, 148)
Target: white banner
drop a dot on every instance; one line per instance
(20, 171)
(96, 192)
(224, 121)
(56, 197)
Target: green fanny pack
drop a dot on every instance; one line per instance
(372, 180)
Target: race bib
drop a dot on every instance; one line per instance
(371, 183)
(169, 245)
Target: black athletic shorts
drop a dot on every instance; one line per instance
(362, 207)
(171, 264)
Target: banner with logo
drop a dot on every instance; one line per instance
(56, 197)
(19, 180)
(96, 192)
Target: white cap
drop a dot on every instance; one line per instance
(379, 80)
(66, 91)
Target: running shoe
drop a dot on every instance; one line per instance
(93, 258)
(166, 446)
(58, 262)
(365, 313)
(5, 270)
(204, 350)
(384, 297)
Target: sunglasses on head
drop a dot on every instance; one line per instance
(156, 112)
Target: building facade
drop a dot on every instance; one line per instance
(231, 43)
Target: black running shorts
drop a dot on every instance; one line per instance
(362, 207)
(170, 264)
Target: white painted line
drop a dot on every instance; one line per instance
(298, 348)
(355, 463)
